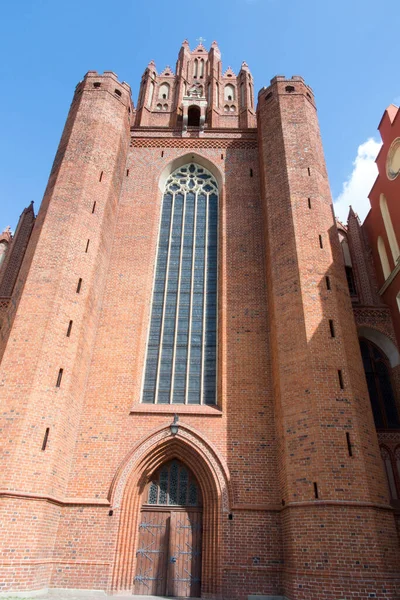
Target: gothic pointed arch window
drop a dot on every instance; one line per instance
(387, 463)
(181, 352)
(377, 373)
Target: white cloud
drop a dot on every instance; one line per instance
(357, 187)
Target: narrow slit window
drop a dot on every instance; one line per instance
(316, 490)
(349, 444)
(87, 245)
(69, 329)
(309, 202)
(251, 172)
(45, 438)
(94, 206)
(308, 171)
(331, 328)
(222, 157)
(320, 241)
(127, 172)
(101, 176)
(78, 287)
(328, 282)
(340, 376)
(59, 377)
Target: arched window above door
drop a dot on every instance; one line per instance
(377, 373)
(173, 484)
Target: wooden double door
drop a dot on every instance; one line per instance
(168, 555)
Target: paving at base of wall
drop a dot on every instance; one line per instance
(70, 594)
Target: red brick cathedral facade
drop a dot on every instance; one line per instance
(184, 405)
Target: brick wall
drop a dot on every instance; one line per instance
(281, 420)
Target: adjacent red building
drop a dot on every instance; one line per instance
(185, 410)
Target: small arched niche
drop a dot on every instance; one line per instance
(229, 93)
(163, 92)
(194, 116)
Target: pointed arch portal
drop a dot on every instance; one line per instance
(170, 496)
(168, 554)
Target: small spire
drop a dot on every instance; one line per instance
(353, 215)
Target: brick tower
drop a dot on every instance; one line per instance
(185, 408)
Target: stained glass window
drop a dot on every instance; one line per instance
(174, 485)
(380, 389)
(182, 344)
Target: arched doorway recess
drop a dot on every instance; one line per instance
(168, 554)
(127, 493)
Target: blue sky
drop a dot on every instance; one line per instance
(347, 50)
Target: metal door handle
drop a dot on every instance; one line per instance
(172, 559)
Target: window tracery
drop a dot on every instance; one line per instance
(181, 353)
(174, 485)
